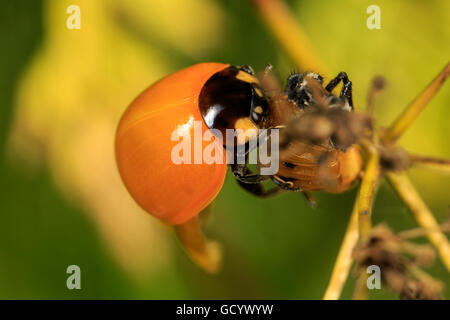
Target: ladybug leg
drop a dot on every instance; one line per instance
(284, 184)
(289, 185)
(248, 69)
(243, 174)
(270, 83)
(309, 197)
(257, 189)
(346, 92)
(251, 182)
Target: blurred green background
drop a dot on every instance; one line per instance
(62, 92)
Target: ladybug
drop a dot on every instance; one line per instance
(221, 97)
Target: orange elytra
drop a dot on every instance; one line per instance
(174, 193)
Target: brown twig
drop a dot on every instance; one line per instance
(377, 85)
(440, 164)
(420, 232)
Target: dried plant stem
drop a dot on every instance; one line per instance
(360, 224)
(344, 259)
(378, 83)
(360, 292)
(440, 164)
(365, 203)
(421, 213)
(420, 232)
(412, 111)
(289, 34)
(366, 195)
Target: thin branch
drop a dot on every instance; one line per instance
(360, 223)
(344, 259)
(440, 164)
(421, 213)
(377, 85)
(421, 232)
(365, 203)
(404, 121)
(289, 34)
(367, 193)
(360, 292)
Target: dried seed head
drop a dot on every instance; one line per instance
(399, 261)
(393, 158)
(418, 290)
(378, 83)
